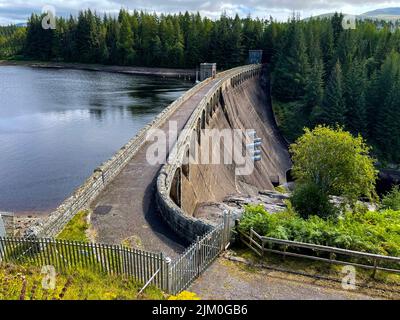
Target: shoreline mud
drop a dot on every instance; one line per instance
(185, 74)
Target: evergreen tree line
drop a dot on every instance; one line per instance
(12, 40)
(323, 74)
(144, 39)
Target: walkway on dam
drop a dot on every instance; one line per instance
(125, 211)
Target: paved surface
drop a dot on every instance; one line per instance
(227, 280)
(126, 209)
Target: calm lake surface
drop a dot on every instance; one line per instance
(57, 126)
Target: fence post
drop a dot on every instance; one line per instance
(198, 255)
(168, 275)
(263, 247)
(375, 268)
(2, 246)
(237, 237)
(251, 236)
(225, 232)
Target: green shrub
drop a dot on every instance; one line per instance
(392, 199)
(308, 199)
(338, 163)
(374, 232)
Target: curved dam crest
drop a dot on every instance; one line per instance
(154, 207)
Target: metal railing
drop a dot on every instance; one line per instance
(69, 255)
(142, 266)
(196, 259)
(260, 245)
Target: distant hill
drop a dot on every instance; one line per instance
(390, 12)
(323, 16)
(380, 14)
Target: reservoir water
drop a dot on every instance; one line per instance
(57, 126)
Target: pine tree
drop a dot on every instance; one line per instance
(327, 46)
(386, 126)
(85, 39)
(337, 26)
(292, 66)
(192, 45)
(39, 41)
(355, 98)
(235, 52)
(314, 90)
(125, 41)
(388, 129)
(333, 110)
(111, 39)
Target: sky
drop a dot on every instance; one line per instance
(17, 11)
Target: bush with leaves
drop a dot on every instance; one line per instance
(373, 232)
(308, 199)
(334, 162)
(392, 199)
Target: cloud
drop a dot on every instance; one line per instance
(19, 10)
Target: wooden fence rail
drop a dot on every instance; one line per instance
(375, 262)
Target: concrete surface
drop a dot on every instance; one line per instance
(227, 280)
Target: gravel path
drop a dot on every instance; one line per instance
(227, 280)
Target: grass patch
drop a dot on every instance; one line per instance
(76, 229)
(25, 283)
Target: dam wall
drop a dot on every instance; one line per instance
(239, 101)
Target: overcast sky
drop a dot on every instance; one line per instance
(16, 11)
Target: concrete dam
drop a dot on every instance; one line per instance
(244, 106)
(158, 207)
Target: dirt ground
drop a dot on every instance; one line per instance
(227, 280)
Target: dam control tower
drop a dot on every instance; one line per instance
(255, 56)
(207, 70)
